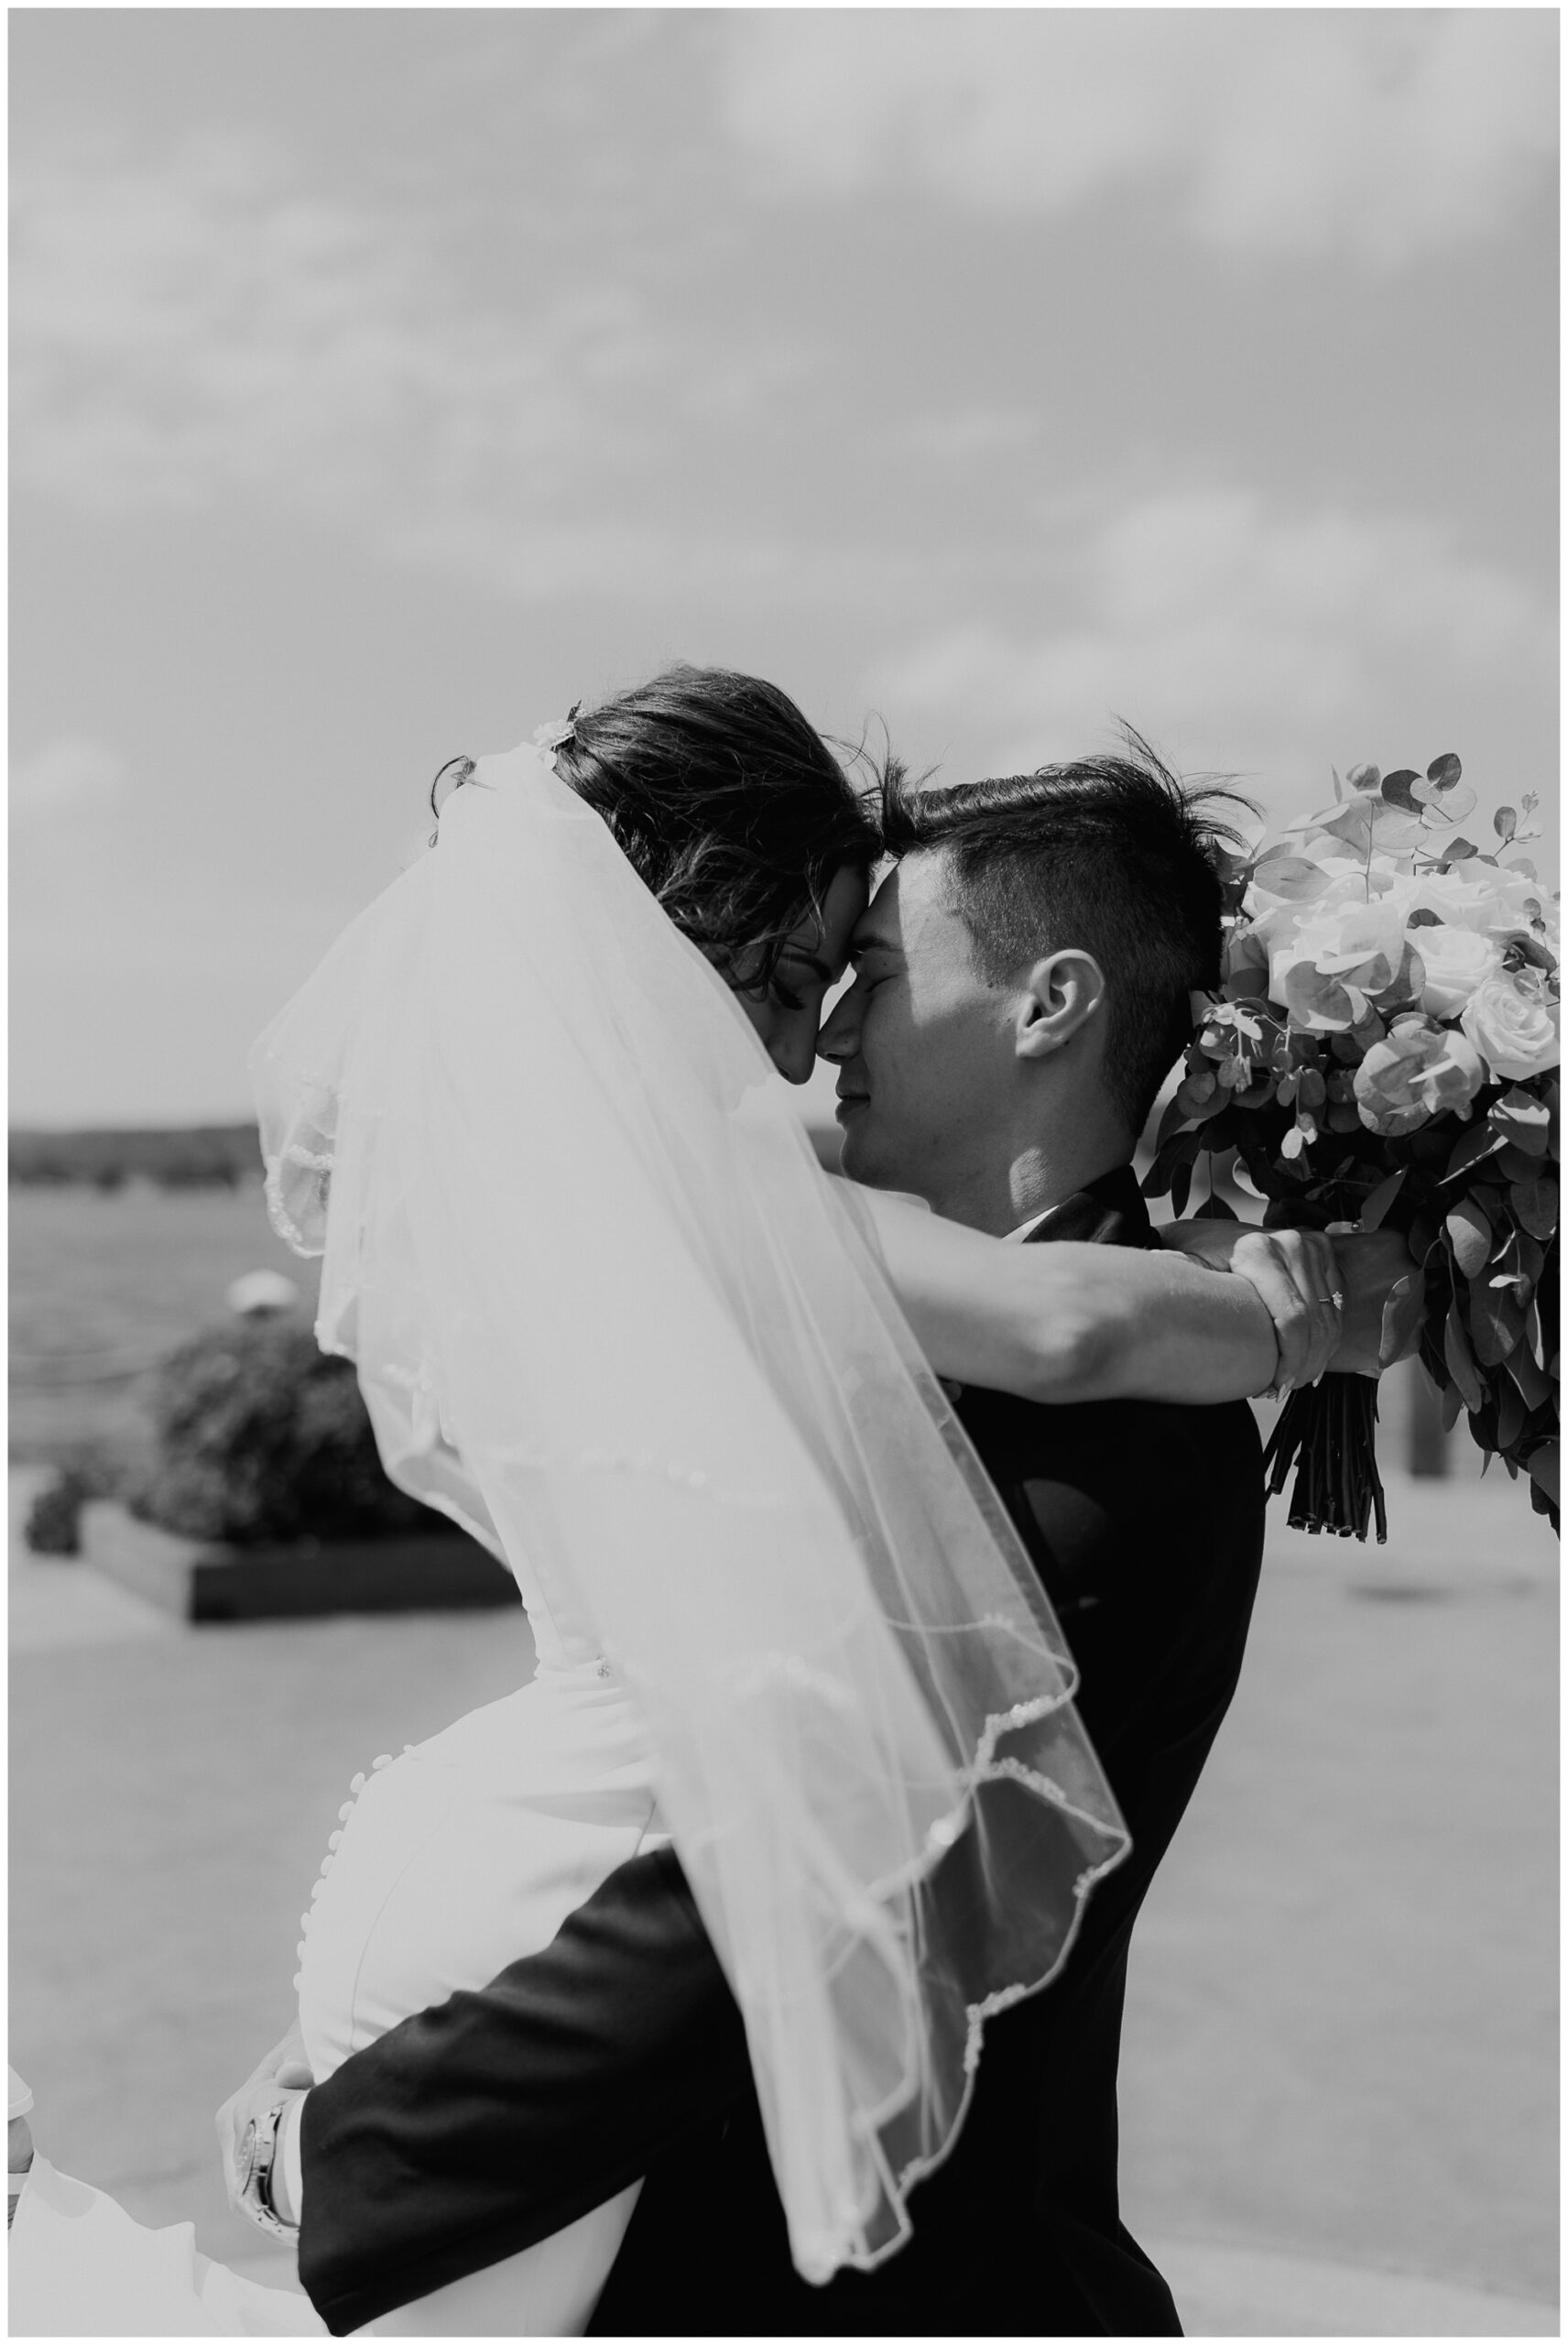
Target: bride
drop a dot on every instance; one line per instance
(609, 1316)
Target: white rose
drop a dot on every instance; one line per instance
(1477, 896)
(1398, 891)
(1514, 1023)
(1336, 938)
(1456, 960)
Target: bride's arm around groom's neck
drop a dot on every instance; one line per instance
(1072, 1321)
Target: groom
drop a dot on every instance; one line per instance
(1021, 988)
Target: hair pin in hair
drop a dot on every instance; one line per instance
(549, 737)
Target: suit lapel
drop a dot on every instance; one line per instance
(1107, 1212)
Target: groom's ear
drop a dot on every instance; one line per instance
(1060, 996)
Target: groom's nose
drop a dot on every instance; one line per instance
(840, 1036)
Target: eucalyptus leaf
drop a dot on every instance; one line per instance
(1529, 1254)
(1203, 1112)
(1351, 825)
(1398, 789)
(1535, 1206)
(1461, 1362)
(1311, 995)
(1366, 820)
(1532, 1335)
(1382, 1198)
(1393, 828)
(1402, 1314)
(1293, 877)
(1505, 821)
(1458, 851)
(1444, 806)
(1523, 1121)
(1470, 1236)
(1535, 1388)
(1497, 1326)
(1313, 823)
(1174, 1116)
(1180, 1149)
(1362, 777)
(1512, 1416)
(1519, 945)
(1445, 770)
(1544, 1467)
(1515, 1164)
(1478, 1141)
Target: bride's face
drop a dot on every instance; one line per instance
(815, 958)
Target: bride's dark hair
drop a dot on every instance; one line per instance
(728, 804)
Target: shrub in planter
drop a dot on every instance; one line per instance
(261, 1438)
(53, 1525)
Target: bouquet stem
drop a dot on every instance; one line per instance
(1329, 1433)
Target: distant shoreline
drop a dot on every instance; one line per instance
(189, 1156)
(172, 1156)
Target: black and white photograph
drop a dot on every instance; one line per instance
(784, 1171)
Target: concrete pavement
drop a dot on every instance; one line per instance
(1339, 2081)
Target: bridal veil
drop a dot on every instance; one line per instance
(608, 1312)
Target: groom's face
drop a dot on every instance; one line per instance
(923, 1045)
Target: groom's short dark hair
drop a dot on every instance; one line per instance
(1109, 854)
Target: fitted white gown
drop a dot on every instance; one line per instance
(460, 1856)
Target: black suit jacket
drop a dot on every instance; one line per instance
(479, 2127)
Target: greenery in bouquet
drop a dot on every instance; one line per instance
(261, 1438)
(1384, 1053)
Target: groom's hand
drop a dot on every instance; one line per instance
(280, 2072)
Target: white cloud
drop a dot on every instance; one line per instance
(67, 776)
(1239, 636)
(205, 320)
(202, 327)
(1381, 132)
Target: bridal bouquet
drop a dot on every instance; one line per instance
(1383, 1052)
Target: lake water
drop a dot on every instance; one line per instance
(101, 1284)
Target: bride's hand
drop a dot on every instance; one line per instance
(1294, 1272)
(282, 2070)
(1298, 1274)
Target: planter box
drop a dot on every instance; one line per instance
(206, 1580)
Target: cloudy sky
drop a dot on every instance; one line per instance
(386, 380)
